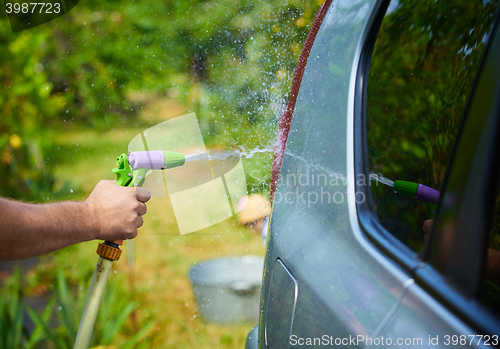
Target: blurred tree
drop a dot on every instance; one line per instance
(230, 61)
(26, 103)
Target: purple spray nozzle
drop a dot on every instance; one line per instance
(153, 160)
(427, 194)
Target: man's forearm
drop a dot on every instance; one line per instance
(28, 230)
(111, 212)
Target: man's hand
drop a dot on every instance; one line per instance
(111, 212)
(117, 210)
(427, 226)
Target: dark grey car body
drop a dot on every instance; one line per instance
(330, 278)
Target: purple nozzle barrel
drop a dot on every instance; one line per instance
(426, 194)
(153, 160)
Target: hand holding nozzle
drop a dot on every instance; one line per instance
(118, 211)
(131, 170)
(128, 175)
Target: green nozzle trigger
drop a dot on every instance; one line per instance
(125, 176)
(123, 171)
(138, 177)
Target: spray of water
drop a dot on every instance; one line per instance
(373, 176)
(381, 179)
(232, 154)
(228, 154)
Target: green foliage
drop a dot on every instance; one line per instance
(13, 332)
(257, 173)
(231, 62)
(67, 306)
(23, 93)
(11, 315)
(113, 314)
(246, 75)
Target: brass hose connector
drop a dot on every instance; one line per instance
(109, 252)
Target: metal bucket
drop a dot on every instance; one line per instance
(228, 289)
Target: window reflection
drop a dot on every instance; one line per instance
(422, 71)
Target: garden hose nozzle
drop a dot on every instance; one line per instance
(420, 192)
(130, 172)
(155, 159)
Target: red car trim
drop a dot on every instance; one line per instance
(286, 118)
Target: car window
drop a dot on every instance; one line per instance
(422, 71)
(490, 289)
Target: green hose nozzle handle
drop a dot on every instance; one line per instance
(125, 176)
(131, 169)
(109, 251)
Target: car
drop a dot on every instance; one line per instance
(388, 93)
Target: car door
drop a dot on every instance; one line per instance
(324, 282)
(334, 274)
